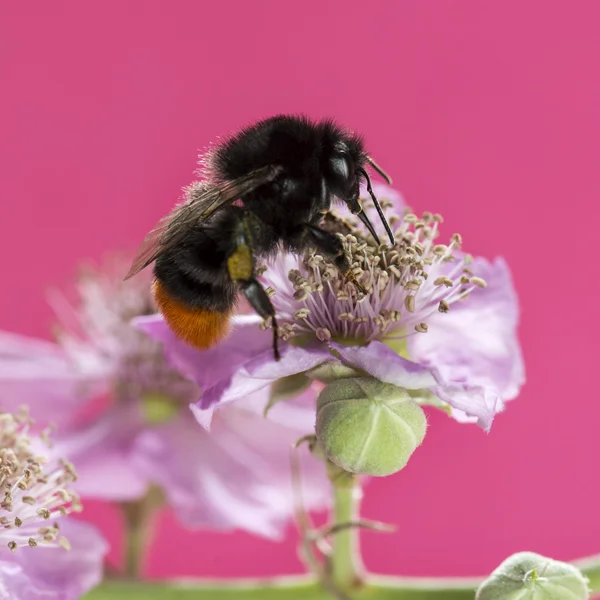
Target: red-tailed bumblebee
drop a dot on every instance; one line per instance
(266, 187)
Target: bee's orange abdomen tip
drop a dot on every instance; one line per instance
(198, 327)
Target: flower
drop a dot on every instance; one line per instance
(420, 315)
(46, 555)
(125, 420)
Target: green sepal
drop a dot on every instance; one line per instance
(287, 388)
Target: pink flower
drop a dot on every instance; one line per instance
(433, 320)
(46, 555)
(125, 420)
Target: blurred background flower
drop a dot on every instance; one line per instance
(124, 416)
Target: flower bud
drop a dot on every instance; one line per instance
(529, 576)
(368, 427)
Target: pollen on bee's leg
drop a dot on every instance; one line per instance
(198, 327)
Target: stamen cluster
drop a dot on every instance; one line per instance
(389, 292)
(35, 487)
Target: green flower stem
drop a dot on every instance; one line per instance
(136, 537)
(302, 588)
(139, 518)
(345, 565)
(292, 588)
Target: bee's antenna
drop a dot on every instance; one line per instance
(378, 206)
(377, 168)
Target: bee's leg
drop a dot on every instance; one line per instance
(332, 248)
(330, 245)
(261, 303)
(240, 266)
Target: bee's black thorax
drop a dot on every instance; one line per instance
(319, 162)
(307, 152)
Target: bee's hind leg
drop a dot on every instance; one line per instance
(240, 266)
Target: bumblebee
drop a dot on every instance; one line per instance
(265, 188)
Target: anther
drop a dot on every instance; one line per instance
(421, 327)
(413, 284)
(43, 512)
(395, 271)
(301, 295)
(266, 323)
(409, 303)
(63, 542)
(443, 281)
(323, 334)
(444, 307)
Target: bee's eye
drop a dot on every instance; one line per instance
(339, 165)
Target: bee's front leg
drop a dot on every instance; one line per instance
(331, 246)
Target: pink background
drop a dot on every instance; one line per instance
(488, 112)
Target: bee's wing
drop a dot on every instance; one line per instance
(203, 200)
